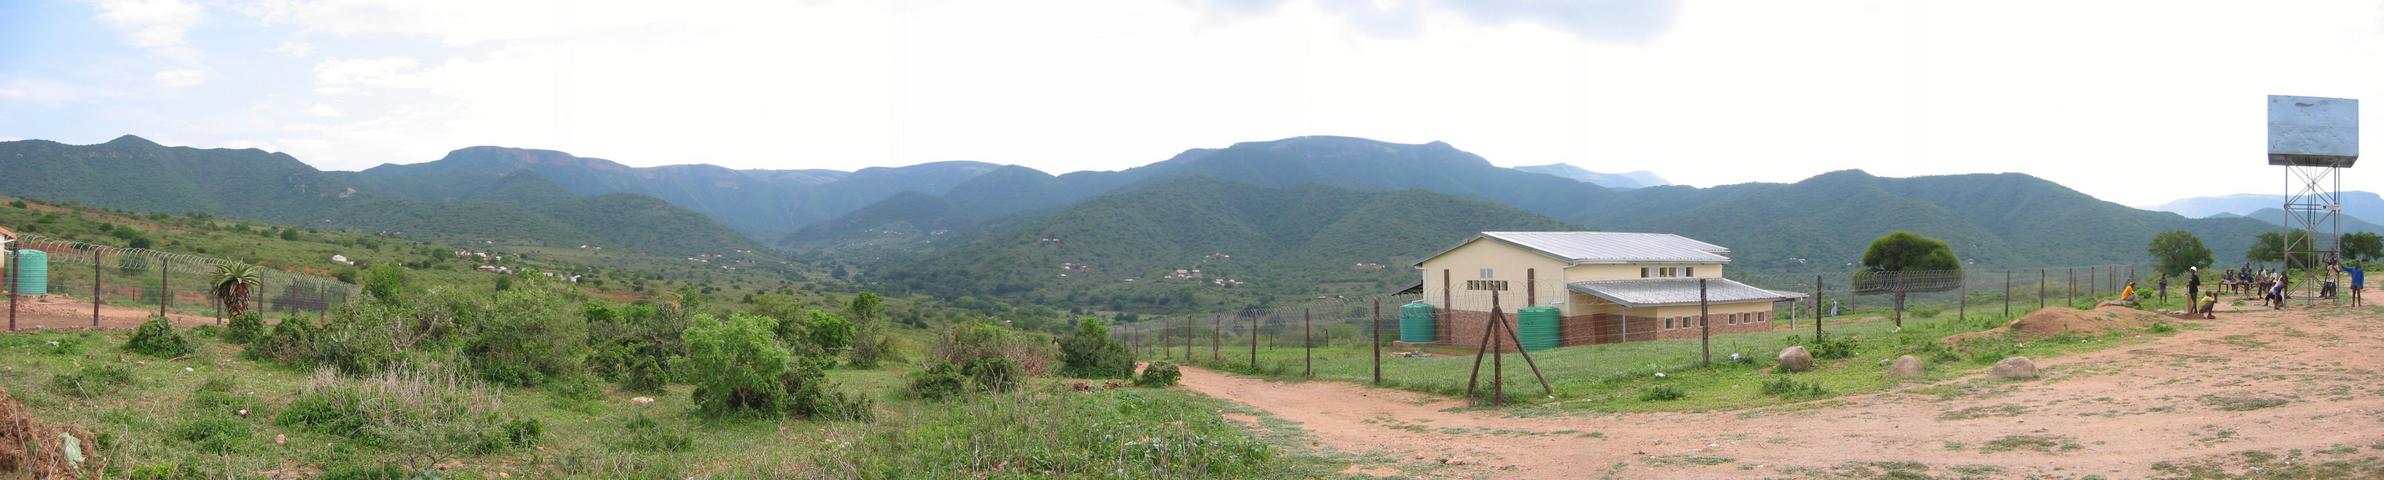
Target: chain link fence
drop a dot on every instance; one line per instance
(110, 282)
(1582, 339)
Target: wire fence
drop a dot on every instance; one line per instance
(1465, 338)
(115, 282)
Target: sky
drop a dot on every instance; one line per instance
(2133, 102)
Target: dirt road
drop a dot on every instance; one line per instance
(2300, 388)
(59, 313)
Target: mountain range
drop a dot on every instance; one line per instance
(2357, 207)
(1626, 180)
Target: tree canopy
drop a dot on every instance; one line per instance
(2176, 250)
(1907, 251)
(2362, 246)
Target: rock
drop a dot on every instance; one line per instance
(1795, 359)
(281, 439)
(641, 400)
(1905, 367)
(2014, 368)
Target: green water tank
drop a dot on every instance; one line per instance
(33, 272)
(1536, 328)
(1415, 322)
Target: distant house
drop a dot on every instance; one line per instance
(1608, 286)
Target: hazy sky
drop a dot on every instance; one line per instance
(2135, 102)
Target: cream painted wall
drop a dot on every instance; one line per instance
(1591, 273)
(1507, 262)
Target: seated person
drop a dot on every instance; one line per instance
(2209, 304)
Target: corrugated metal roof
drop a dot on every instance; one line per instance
(1675, 291)
(1616, 247)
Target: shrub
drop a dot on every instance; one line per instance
(1160, 375)
(528, 338)
(1791, 388)
(362, 338)
(809, 395)
(523, 432)
(156, 338)
(215, 395)
(215, 433)
(938, 382)
(207, 331)
(966, 342)
(578, 393)
(994, 374)
(648, 435)
(735, 365)
(816, 332)
(425, 418)
(1090, 353)
(92, 381)
(1923, 311)
(1825, 347)
(1661, 393)
(289, 342)
(244, 328)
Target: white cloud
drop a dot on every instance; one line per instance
(324, 110)
(296, 49)
(340, 76)
(182, 77)
(160, 25)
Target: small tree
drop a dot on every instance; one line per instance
(1902, 252)
(233, 282)
(870, 342)
(2362, 246)
(735, 365)
(1090, 353)
(2175, 251)
(384, 282)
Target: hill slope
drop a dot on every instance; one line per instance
(1638, 179)
(1123, 246)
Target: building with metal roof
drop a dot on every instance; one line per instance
(1606, 286)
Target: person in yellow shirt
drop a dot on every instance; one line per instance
(2209, 304)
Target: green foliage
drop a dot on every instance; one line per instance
(966, 342)
(1159, 375)
(244, 328)
(423, 418)
(2177, 250)
(1091, 353)
(808, 394)
(290, 342)
(1904, 251)
(1784, 386)
(648, 435)
(1661, 393)
(93, 381)
(232, 285)
(385, 283)
(937, 382)
(362, 338)
(2271, 246)
(529, 338)
(157, 338)
(735, 365)
(1827, 347)
(818, 331)
(1057, 431)
(2362, 246)
(634, 344)
(994, 374)
(215, 433)
(870, 343)
(578, 393)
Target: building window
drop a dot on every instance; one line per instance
(1667, 323)
(1730, 319)
(1692, 271)
(1486, 273)
(1762, 317)
(1643, 272)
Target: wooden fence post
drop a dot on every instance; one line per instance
(1217, 339)
(1307, 344)
(1817, 307)
(2007, 294)
(2072, 299)
(165, 284)
(1962, 302)
(1378, 341)
(95, 281)
(2040, 289)
(1253, 339)
(12, 284)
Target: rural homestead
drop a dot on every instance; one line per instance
(1605, 287)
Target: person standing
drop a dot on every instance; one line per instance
(2358, 280)
(2193, 283)
(2163, 285)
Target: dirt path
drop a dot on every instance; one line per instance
(57, 313)
(2200, 396)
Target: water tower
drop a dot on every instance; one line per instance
(2314, 138)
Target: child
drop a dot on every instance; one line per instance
(2209, 305)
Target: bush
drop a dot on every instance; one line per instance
(994, 374)
(939, 382)
(816, 332)
(245, 327)
(289, 342)
(1090, 353)
(524, 432)
(215, 433)
(362, 338)
(578, 393)
(92, 381)
(1661, 393)
(215, 396)
(528, 339)
(425, 418)
(156, 338)
(809, 395)
(1789, 387)
(1824, 347)
(648, 435)
(967, 342)
(735, 365)
(1159, 375)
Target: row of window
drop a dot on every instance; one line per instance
(1667, 272)
(1687, 321)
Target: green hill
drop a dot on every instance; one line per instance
(1117, 251)
(134, 174)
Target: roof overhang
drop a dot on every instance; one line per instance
(1671, 292)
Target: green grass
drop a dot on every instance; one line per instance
(167, 416)
(1614, 377)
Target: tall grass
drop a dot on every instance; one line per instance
(1052, 431)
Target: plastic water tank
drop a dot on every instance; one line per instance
(1536, 327)
(1415, 322)
(33, 272)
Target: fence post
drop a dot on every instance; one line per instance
(1899, 300)
(1217, 339)
(2090, 284)
(1253, 313)
(2072, 300)
(12, 284)
(165, 284)
(1817, 307)
(1378, 341)
(1704, 329)
(95, 281)
(2007, 293)
(2040, 289)
(1962, 303)
(260, 293)
(1307, 345)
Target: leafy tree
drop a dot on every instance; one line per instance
(2271, 246)
(384, 282)
(2175, 251)
(1900, 253)
(529, 338)
(2362, 246)
(870, 342)
(232, 284)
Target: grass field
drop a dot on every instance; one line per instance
(1619, 377)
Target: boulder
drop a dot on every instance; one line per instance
(1905, 367)
(1795, 359)
(2014, 368)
